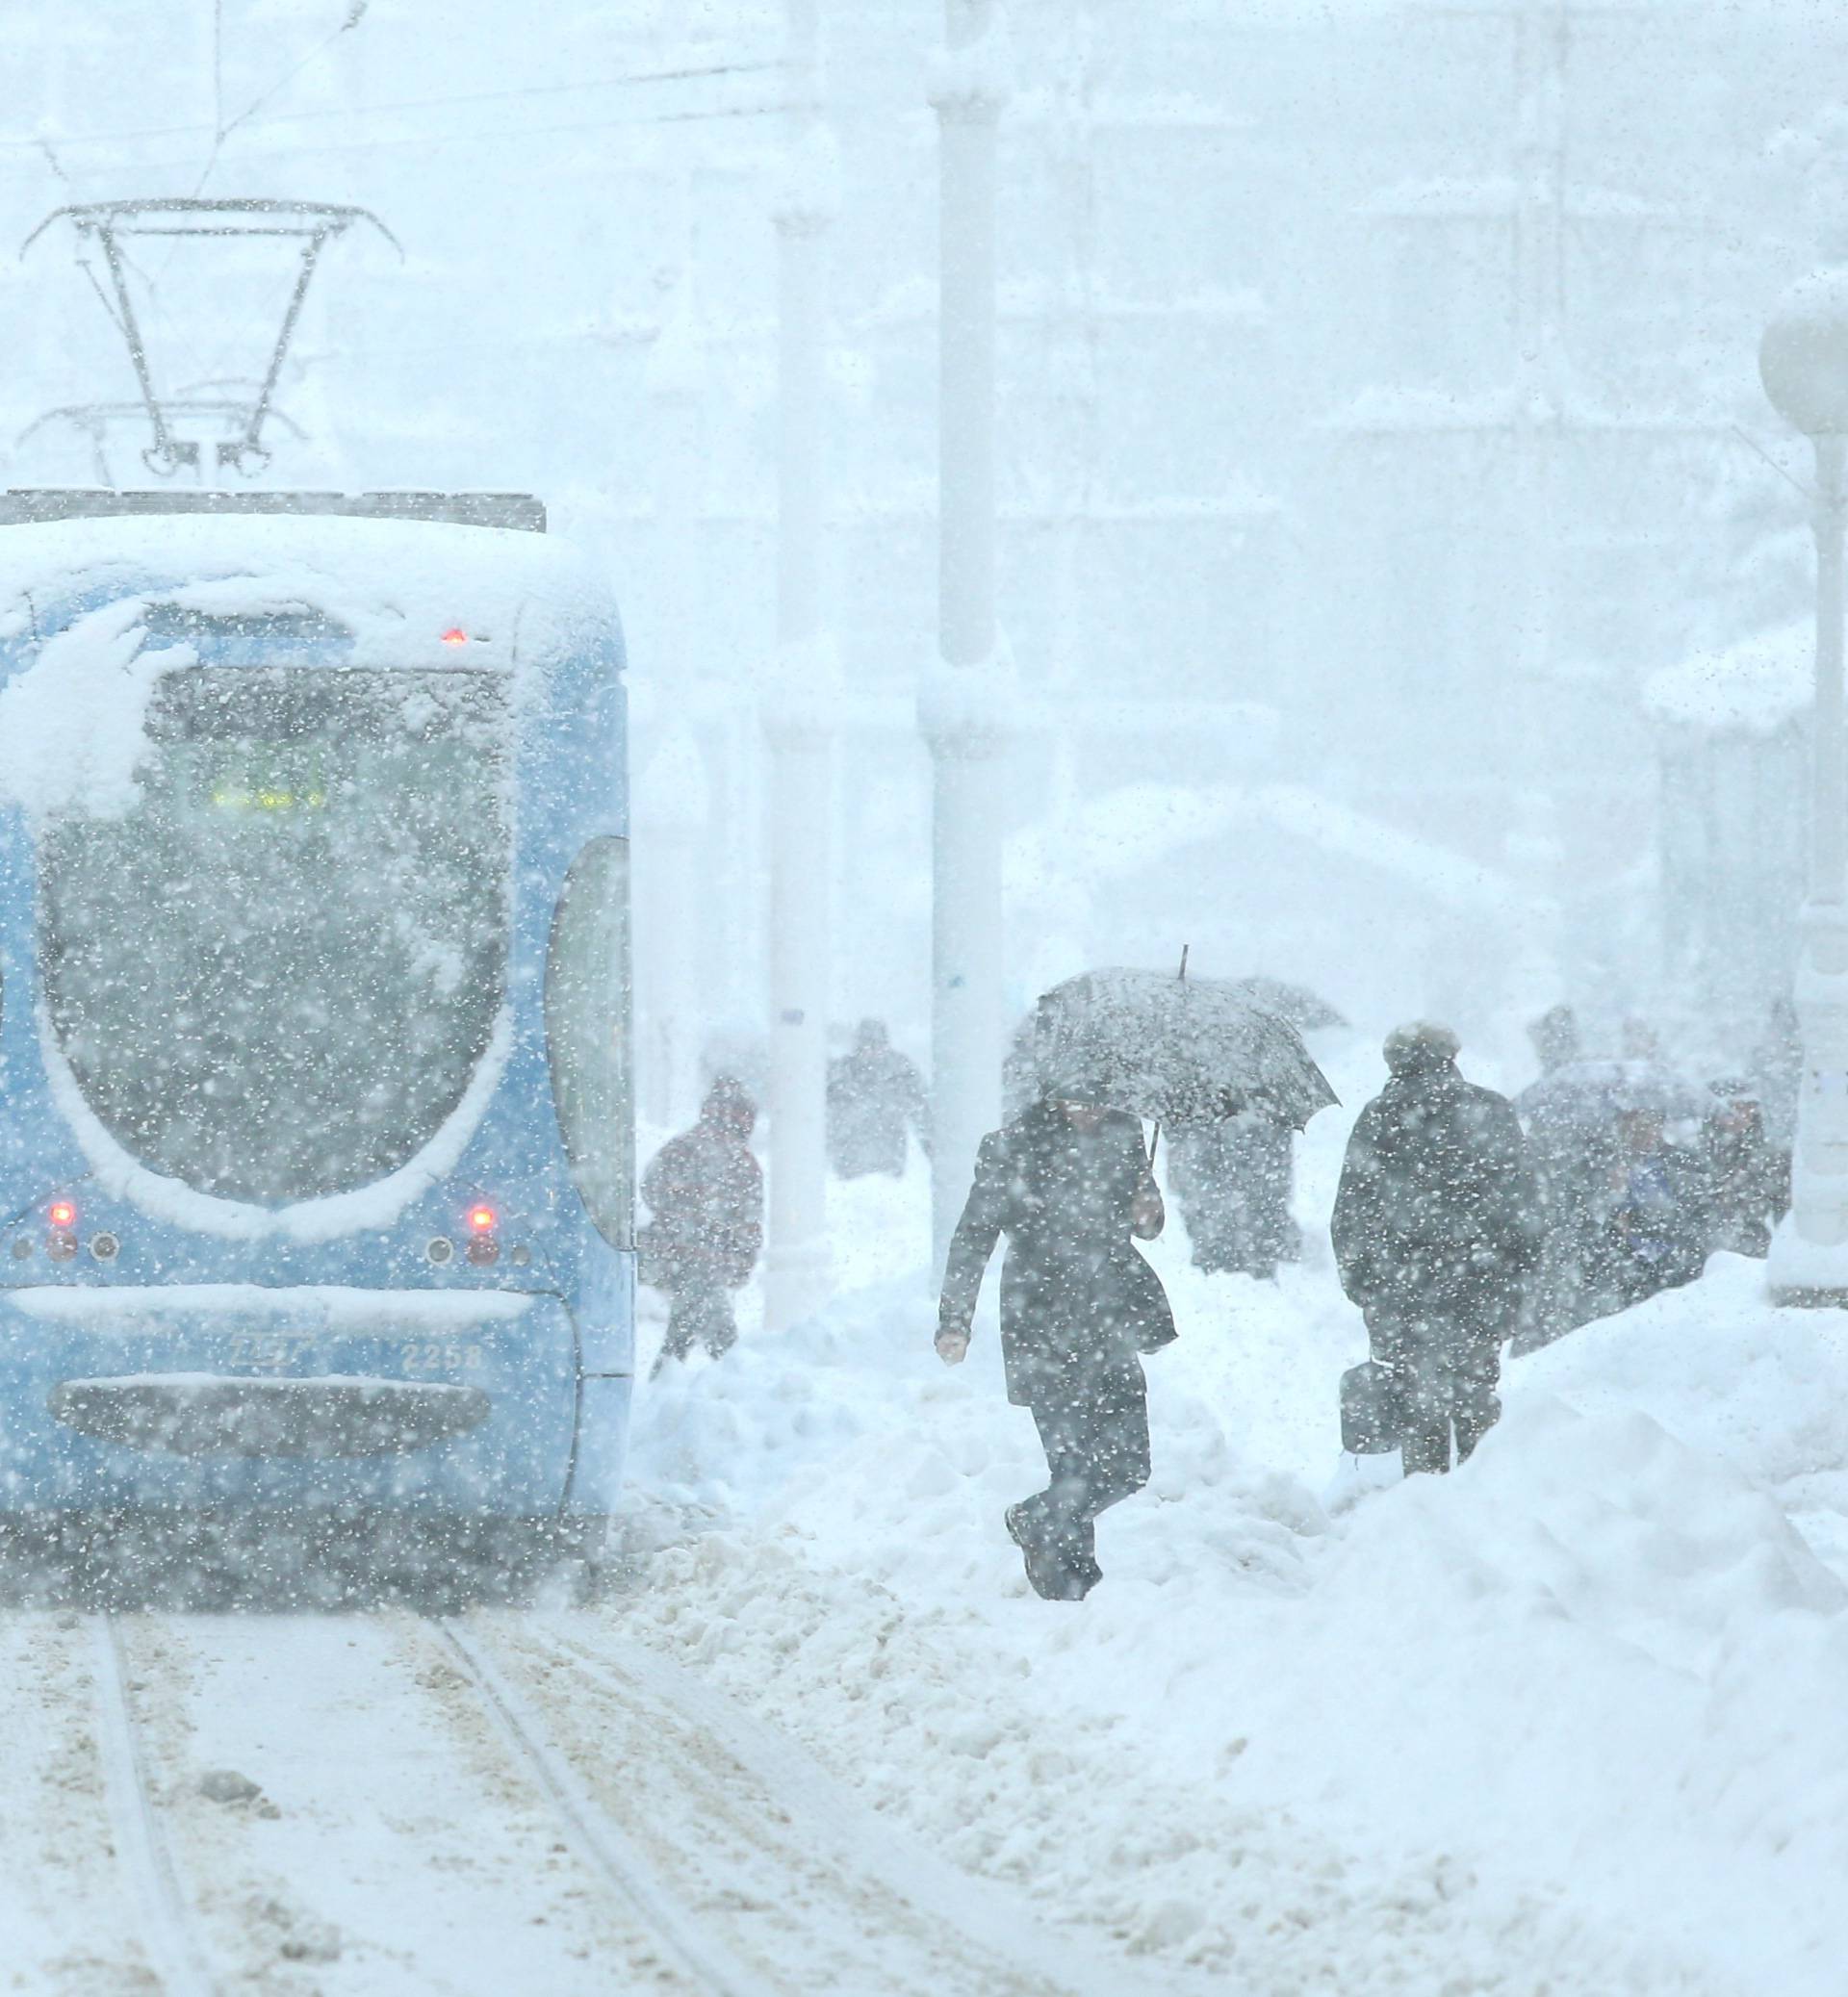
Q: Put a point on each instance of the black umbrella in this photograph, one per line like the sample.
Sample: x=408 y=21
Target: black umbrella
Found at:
x=1308 y=1012
x=1177 y=1050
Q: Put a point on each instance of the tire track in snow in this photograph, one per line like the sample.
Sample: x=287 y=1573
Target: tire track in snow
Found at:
x=167 y=1925
x=599 y=1843
x=954 y=1934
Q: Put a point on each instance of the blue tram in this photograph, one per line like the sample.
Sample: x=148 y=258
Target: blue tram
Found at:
x=316 y=1152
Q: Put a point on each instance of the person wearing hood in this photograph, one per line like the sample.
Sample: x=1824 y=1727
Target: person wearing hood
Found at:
x=1555 y=1035
x=704 y=1195
x=1436 y=1232
x=876 y=1098
x=1069 y=1183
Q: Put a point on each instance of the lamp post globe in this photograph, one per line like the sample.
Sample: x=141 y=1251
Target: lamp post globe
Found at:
x=1802 y=358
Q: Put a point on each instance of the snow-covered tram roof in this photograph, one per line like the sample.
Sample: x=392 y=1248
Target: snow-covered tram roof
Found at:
x=81 y=601
x=401 y=587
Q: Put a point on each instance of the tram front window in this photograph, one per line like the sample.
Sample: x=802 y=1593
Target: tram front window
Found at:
x=274 y=976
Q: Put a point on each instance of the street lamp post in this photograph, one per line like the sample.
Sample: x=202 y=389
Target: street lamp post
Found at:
x=1802 y=362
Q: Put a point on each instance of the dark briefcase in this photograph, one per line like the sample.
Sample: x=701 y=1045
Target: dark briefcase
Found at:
x=1371 y=1413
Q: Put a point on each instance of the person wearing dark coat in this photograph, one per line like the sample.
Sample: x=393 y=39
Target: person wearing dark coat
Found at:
x=1573 y=1150
x=1660 y=1216
x=705 y=1195
x=875 y=1099
x=1746 y=1181
x=1231 y=1180
x=1069 y=1183
x=1435 y=1234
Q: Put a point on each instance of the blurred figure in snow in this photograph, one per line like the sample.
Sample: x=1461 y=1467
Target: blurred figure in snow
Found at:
x=1436 y=1234
x=1658 y=1214
x=1745 y=1180
x=1570 y=1148
x=1232 y=1182
x=705 y=1195
x=1069 y=1183
x=1640 y=1040
x=1555 y=1039
x=875 y=1099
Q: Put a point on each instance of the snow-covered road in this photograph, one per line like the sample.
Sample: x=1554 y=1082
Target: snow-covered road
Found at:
x=372 y=1803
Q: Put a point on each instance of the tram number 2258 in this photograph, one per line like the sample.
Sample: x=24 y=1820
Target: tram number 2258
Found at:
x=419 y=1359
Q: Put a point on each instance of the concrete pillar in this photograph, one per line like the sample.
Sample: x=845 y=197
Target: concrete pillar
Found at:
x=671 y=804
x=1802 y=363
x=1534 y=841
x=799 y=707
x=964 y=704
x=1808 y=1262
x=1071 y=137
x=674 y=896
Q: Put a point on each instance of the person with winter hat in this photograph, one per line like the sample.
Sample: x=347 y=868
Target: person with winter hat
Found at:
x=1436 y=1232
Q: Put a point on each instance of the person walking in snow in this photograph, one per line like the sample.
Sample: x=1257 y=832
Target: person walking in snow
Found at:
x=1659 y=1218
x=704 y=1195
x=1231 y=1180
x=1435 y=1234
x=1745 y=1180
x=1556 y=1039
x=875 y=1099
x=1069 y=1183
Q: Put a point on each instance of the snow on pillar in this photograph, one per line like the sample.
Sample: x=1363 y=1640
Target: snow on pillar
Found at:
x=1535 y=848
x=1804 y=365
x=673 y=796
x=671 y=804
x=1809 y=1256
x=964 y=704
x=799 y=706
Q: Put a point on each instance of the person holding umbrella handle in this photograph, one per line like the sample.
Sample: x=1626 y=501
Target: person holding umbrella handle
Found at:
x=1069 y=1183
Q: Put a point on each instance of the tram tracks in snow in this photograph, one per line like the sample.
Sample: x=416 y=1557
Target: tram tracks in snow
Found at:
x=719 y=1858
x=601 y=1845
x=167 y=1926
x=856 y=1904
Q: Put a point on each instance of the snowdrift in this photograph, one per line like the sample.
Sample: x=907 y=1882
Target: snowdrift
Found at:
x=1570 y=1719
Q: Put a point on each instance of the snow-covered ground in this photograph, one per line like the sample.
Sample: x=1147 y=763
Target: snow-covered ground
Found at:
x=1569 y=1721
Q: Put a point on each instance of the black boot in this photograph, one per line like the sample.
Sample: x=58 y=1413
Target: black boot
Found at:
x=1050 y=1573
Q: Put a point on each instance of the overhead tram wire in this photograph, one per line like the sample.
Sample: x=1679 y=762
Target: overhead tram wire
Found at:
x=278 y=117
x=486 y=139
x=221 y=131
